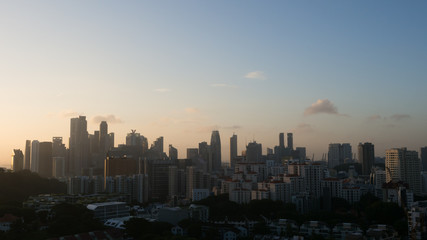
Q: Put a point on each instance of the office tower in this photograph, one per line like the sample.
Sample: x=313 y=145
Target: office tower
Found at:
x=366 y=157
x=282 y=140
x=338 y=154
x=27 y=161
x=135 y=139
x=45 y=159
x=290 y=141
x=346 y=153
x=79 y=146
x=173 y=153
x=233 y=147
x=205 y=157
x=158 y=174
x=17 y=160
x=193 y=154
x=270 y=151
x=35 y=149
x=58 y=168
x=111 y=140
x=158 y=145
x=94 y=143
x=58 y=148
x=302 y=155
x=104 y=145
x=216 y=151
x=424 y=158
x=403 y=165
x=253 y=152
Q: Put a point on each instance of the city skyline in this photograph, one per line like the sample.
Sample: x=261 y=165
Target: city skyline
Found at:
x=330 y=72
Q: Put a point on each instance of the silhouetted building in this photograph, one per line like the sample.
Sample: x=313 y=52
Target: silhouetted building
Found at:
x=366 y=157
x=58 y=168
x=282 y=140
x=158 y=175
x=404 y=165
x=35 y=152
x=17 y=160
x=233 y=147
x=290 y=141
x=338 y=154
x=216 y=151
x=27 y=161
x=173 y=153
x=205 y=157
x=424 y=158
x=79 y=146
x=45 y=159
x=253 y=152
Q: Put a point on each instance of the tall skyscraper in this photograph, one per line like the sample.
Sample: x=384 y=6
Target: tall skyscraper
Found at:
x=158 y=145
x=27 y=161
x=338 y=154
x=45 y=159
x=17 y=160
x=424 y=158
x=173 y=152
x=205 y=157
x=216 y=151
x=282 y=140
x=403 y=165
x=253 y=152
x=79 y=146
x=233 y=147
x=290 y=141
x=366 y=157
x=104 y=145
x=35 y=150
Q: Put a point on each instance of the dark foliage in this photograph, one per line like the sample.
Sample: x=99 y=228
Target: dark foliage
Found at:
x=16 y=187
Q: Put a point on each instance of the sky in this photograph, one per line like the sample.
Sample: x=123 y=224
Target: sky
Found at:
x=327 y=71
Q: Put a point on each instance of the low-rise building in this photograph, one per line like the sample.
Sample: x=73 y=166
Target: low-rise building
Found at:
x=107 y=210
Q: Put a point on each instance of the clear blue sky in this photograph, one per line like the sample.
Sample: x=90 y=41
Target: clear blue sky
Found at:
x=329 y=71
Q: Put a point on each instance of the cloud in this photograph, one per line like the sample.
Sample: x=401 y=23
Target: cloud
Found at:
x=162 y=90
x=398 y=117
x=191 y=110
x=322 y=106
x=223 y=85
x=109 y=119
x=304 y=128
x=256 y=75
x=232 y=127
x=70 y=113
x=375 y=117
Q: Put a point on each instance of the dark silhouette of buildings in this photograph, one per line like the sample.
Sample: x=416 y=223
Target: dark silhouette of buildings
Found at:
x=45 y=159
x=18 y=160
x=366 y=157
x=27 y=160
x=79 y=146
x=233 y=147
x=216 y=151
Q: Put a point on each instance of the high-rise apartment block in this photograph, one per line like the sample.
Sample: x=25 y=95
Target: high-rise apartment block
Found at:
x=366 y=156
x=403 y=165
x=27 y=159
x=35 y=149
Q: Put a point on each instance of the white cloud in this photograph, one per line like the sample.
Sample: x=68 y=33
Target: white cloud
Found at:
x=109 y=119
x=322 y=106
x=256 y=75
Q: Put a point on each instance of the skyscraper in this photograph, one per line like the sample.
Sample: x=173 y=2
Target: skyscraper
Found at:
x=103 y=138
x=27 y=161
x=216 y=151
x=424 y=158
x=173 y=152
x=282 y=140
x=233 y=147
x=79 y=146
x=366 y=157
x=35 y=149
x=18 y=160
x=403 y=165
x=45 y=159
x=253 y=152
x=338 y=154
x=290 y=141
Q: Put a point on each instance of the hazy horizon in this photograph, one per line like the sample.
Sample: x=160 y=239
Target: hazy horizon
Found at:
x=328 y=72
